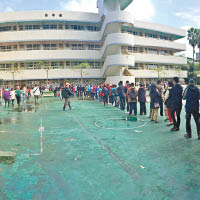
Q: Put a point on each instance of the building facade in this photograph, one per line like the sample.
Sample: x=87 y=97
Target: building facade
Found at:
x=49 y=45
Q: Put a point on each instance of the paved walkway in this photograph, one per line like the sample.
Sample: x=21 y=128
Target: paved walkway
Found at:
x=92 y=153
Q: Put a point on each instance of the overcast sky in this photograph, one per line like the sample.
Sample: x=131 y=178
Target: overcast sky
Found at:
x=178 y=13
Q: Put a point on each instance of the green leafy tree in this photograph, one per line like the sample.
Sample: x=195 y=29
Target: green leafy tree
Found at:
x=44 y=65
x=80 y=67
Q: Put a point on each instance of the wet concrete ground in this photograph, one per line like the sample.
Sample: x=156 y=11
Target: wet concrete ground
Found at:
x=92 y=153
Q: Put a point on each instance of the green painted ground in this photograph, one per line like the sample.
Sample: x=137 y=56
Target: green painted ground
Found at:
x=91 y=153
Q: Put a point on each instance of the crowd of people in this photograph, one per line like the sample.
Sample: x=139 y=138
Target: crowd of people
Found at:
x=18 y=94
x=164 y=97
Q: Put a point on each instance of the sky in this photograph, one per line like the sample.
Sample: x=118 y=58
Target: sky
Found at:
x=178 y=13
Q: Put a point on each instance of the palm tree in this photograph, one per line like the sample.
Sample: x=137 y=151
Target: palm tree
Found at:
x=198 y=43
x=192 y=38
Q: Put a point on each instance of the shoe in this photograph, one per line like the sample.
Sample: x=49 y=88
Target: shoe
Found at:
x=187 y=136
x=156 y=122
x=174 y=129
x=169 y=124
x=152 y=120
x=166 y=120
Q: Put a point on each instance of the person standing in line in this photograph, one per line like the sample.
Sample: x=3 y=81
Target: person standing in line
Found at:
x=12 y=96
x=105 y=94
x=160 y=90
x=142 y=99
x=121 y=93
x=132 y=99
x=36 y=92
x=168 y=103
x=66 y=94
x=176 y=103
x=192 y=96
x=126 y=94
x=6 y=96
x=154 y=103
x=18 y=94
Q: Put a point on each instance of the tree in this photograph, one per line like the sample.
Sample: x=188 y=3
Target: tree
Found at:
x=158 y=69
x=198 y=43
x=192 y=38
x=44 y=65
x=81 y=67
x=14 y=70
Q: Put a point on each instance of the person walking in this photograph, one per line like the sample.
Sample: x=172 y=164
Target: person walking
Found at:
x=66 y=94
x=192 y=96
x=142 y=99
x=6 y=96
x=132 y=99
x=18 y=94
x=12 y=96
x=154 y=103
x=36 y=92
x=176 y=104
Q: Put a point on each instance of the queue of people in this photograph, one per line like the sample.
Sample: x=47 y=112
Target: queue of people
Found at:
x=168 y=100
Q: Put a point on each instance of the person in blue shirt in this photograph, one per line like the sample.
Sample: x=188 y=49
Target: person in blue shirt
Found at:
x=192 y=96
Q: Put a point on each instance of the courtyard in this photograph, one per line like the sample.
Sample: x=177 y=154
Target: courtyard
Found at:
x=93 y=153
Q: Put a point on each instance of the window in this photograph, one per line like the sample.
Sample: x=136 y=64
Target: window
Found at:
x=22 y=66
x=60 y=26
x=21 y=47
x=60 y=15
x=53 y=15
x=49 y=26
x=21 y=28
x=36 y=46
x=68 y=64
x=50 y=46
x=5 y=28
x=36 y=27
x=66 y=26
x=67 y=46
x=61 y=64
x=46 y=15
x=54 y=65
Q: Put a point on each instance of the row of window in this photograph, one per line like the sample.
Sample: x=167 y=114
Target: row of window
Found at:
x=50 y=27
x=60 y=46
x=49 y=65
x=144 y=34
x=151 y=66
x=155 y=51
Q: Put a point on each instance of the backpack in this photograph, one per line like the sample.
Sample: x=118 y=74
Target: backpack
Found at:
x=133 y=94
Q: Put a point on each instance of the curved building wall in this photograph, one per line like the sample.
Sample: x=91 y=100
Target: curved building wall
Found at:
x=82 y=37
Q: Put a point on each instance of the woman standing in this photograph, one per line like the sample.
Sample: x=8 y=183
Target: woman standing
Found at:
x=6 y=96
x=168 y=102
x=154 y=104
x=12 y=96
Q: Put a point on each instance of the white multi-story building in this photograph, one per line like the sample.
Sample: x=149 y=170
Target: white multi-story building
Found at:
x=41 y=45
